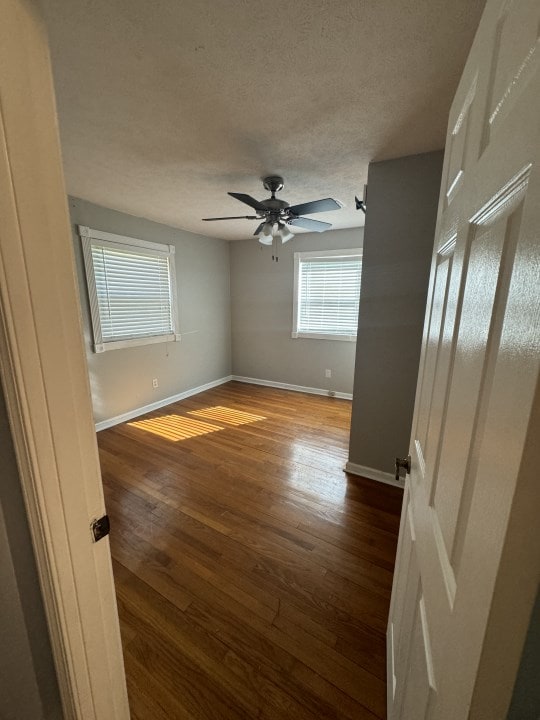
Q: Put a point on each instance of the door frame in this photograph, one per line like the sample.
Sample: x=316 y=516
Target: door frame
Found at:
x=44 y=376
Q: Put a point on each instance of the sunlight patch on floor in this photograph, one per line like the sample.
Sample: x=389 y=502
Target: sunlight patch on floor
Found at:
x=227 y=415
x=330 y=486
x=175 y=427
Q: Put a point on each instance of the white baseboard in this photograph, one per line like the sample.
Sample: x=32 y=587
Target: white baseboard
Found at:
x=294 y=388
x=373 y=474
x=104 y=424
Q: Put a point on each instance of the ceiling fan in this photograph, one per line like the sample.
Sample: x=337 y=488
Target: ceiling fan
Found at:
x=277 y=214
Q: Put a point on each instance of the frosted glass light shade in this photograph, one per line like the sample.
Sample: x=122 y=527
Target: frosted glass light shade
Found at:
x=286 y=234
x=265 y=236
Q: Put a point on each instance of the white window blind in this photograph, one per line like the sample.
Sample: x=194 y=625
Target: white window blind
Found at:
x=131 y=287
x=327 y=293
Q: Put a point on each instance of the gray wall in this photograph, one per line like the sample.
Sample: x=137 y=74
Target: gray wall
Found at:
x=121 y=380
x=398 y=243
x=28 y=688
x=262 y=316
x=525 y=703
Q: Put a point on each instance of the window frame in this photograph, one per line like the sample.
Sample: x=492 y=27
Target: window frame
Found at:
x=305 y=255
x=88 y=236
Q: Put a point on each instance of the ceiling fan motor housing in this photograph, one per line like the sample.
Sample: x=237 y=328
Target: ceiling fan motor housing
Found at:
x=275 y=204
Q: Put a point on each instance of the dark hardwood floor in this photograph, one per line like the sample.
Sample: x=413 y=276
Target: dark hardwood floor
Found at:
x=253 y=575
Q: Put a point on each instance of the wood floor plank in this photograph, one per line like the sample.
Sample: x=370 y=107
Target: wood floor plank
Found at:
x=253 y=575
x=165 y=631
x=148 y=698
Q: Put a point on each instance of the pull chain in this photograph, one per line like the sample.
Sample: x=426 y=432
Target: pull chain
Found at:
x=275 y=246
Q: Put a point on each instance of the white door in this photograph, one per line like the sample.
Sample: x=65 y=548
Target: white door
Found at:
x=468 y=557
x=45 y=381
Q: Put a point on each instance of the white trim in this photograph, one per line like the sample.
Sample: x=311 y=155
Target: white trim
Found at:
x=454 y=184
x=296 y=273
x=112 y=239
x=294 y=388
x=355 y=252
x=88 y=235
x=373 y=474
x=124 y=417
x=104 y=424
x=301 y=255
x=323 y=336
x=135 y=342
x=505 y=200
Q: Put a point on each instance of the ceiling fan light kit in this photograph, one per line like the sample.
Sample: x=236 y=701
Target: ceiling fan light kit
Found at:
x=277 y=215
x=284 y=233
x=266 y=233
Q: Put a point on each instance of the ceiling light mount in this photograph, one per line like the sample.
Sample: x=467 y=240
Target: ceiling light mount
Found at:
x=274 y=183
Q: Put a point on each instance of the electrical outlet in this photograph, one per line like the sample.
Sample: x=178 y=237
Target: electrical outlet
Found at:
x=155 y=383
x=328 y=373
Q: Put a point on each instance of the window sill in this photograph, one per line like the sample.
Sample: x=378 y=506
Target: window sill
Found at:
x=323 y=336
x=134 y=342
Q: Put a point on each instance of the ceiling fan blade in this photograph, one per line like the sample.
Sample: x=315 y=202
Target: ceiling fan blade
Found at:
x=235 y=217
x=248 y=200
x=309 y=224
x=258 y=230
x=316 y=206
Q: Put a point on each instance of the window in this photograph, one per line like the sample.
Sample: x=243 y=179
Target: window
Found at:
x=326 y=294
x=131 y=288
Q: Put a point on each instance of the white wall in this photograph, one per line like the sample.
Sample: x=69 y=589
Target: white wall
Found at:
x=121 y=380
x=262 y=316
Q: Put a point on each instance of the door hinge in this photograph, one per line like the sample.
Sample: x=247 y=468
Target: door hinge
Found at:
x=101 y=527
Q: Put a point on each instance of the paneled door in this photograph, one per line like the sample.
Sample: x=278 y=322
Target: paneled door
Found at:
x=469 y=550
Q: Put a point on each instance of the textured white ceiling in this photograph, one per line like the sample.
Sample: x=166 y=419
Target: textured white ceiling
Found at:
x=166 y=105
